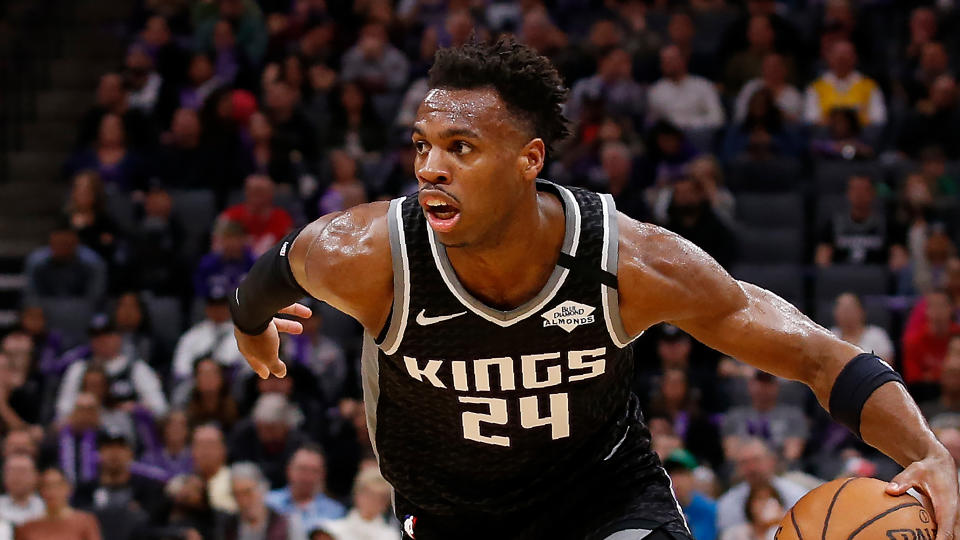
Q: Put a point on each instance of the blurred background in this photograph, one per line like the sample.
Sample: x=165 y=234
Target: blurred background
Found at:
x=150 y=150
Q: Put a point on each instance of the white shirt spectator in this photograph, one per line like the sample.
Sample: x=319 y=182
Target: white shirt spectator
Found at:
x=206 y=338
x=730 y=505
x=144 y=380
x=689 y=103
x=876 y=108
x=16 y=514
x=354 y=527
x=789 y=100
x=873 y=339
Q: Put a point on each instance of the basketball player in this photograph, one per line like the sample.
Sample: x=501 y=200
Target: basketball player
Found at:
x=497 y=309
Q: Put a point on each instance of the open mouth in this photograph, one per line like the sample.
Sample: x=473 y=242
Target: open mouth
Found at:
x=440 y=210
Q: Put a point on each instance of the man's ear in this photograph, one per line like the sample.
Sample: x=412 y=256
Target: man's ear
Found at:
x=532 y=158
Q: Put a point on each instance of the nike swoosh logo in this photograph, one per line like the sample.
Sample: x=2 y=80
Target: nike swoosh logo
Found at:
x=423 y=320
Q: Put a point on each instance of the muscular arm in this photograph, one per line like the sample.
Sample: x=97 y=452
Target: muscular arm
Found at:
x=344 y=259
x=666 y=278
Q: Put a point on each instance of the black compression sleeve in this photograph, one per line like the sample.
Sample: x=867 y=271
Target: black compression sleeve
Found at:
x=856 y=382
x=267 y=288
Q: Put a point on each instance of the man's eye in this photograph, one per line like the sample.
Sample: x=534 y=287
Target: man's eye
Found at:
x=462 y=148
x=420 y=146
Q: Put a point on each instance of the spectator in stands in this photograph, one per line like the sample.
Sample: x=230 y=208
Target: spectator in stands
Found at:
x=47 y=343
x=708 y=172
x=355 y=125
x=60 y=520
x=756 y=465
x=616 y=175
x=850 y=325
x=374 y=63
x=87 y=214
x=270 y=158
x=244 y=16
x=860 y=233
x=168 y=57
x=667 y=154
x=843 y=137
x=111 y=98
x=292 y=127
x=933 y=122
x=132 y=381
x=119 y=166
x=254 y=519
x=925 y=346
x=180 y=163
x=763 y=134
x=923 y=29
x=20 y=441
x=232 y=67
x=209 y=400
x=746 y=64
x=20 y=502
x=155 y=247
x=264 y=222
x=201 y=81
x=773 y=77
x=147 y=90
x=121 y=482
x=73 y=448
x=934 y=63
x=930 y=252
x=676 y=401
x=699 y=510
x=210 y=463
x=112 y=416
x=228 y=160
x=764 y=510
x=64 y=269
x=303 y=501
x=371 y=502
x=949 y=400
x=844 y=87
x=19 y=395
x=174 y=457
x=269 y=437
x=687 y=101
x=691 y=215
x=681 y=32
x=784 y=427
x=210 y=338
x=347 y=190
x=225 y=266
x=613 y=87
x=190 y=516
x=321 y=355
x=133 y=325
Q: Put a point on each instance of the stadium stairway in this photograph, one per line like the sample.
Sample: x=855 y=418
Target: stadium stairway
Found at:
x=52 y=53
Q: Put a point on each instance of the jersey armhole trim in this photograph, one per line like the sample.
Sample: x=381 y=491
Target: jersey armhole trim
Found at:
x=609 y=295
x=397 y=322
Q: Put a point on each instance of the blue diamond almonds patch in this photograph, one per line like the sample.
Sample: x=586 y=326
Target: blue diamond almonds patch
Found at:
x=569 y=315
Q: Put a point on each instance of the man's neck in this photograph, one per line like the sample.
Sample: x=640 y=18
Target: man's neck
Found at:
x=117 y=478
x=512 y=267
x=302 y=498
x=678 y=78
x=23 y=499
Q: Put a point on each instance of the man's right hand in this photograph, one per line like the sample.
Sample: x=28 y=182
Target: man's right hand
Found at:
x=262 y=351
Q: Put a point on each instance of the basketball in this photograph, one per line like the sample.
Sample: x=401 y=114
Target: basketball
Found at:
x=857 y=509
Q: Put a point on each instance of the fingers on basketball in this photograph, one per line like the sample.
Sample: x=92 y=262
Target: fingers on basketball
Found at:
x=857 y=509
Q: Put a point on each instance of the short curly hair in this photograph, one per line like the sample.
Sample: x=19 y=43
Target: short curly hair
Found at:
x=529 y=85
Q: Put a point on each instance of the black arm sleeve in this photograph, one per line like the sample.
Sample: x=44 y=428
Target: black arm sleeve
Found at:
x=267 y=288
x=856 y=382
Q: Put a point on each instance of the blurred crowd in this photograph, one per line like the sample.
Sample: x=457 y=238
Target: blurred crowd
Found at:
x=811 y=146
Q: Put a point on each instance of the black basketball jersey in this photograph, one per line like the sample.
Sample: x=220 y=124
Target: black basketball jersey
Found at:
x=474 y=410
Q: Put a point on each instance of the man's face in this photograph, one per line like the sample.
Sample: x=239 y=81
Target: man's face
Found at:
x=860 y=195
x=86 y=412
x=473 y=161
x=760 y=32
x=842 y=58
x=763 y=393
x=218 y=312
x=674 y=353
x=233 y=245
x=115 y=458
x=934 y=59
x=106 y=346
x=950 y=377
x=258 y=192
x=63 y=245
x=672 y=62
x=110 y=90
x=19 y=442
x=19 y=475
x=680 y=29
x=208 y=450
x=305 y=473
x=272 y=434
x=939 y=310
x=847 y=312
x=248 y=496
x=755 y=463
x=372 y=500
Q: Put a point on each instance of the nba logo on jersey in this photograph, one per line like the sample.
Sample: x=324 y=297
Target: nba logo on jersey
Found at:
x=569 y=315
x=408 y=524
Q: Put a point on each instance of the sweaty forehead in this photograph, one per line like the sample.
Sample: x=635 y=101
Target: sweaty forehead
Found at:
x=478 y=109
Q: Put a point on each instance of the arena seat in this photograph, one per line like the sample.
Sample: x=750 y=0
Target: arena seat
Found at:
x=862 y=279
x=785 y=280
x=770 y=209
x=771 y=246
x=166 y=318
x=195 y=211
x=773 y=175
x=831 y=176
x=70 y=316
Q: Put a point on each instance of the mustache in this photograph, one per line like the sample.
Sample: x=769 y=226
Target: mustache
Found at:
x=441 y=190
